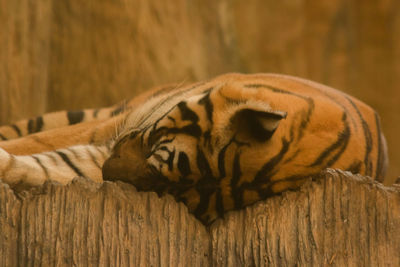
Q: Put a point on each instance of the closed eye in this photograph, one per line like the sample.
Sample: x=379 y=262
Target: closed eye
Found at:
x=155 y=136
x=159 y=145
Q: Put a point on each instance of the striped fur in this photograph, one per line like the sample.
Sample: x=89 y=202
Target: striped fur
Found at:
x=56 y=120
x=217 y=145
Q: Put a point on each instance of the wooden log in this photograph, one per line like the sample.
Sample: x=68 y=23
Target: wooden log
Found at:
x=335 y=219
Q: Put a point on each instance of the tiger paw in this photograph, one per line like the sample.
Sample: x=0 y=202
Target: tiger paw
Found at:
x=5 y=163
x=18 y=171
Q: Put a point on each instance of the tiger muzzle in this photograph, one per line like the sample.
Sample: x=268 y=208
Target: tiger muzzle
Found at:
x=124 y=164
x=115 y=168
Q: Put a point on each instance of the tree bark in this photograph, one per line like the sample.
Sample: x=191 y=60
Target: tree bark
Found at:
x=335 y=219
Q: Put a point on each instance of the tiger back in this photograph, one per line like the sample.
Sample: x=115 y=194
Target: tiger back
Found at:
x=217 y=145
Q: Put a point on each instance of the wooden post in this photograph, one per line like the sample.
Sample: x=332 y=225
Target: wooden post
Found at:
x=335 y=219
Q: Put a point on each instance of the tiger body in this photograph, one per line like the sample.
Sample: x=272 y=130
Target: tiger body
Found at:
x=217 y=145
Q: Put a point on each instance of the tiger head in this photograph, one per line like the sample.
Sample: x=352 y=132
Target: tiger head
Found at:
x=214 y=150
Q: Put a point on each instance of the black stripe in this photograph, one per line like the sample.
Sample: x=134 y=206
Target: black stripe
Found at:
x=184 y=164
x=208 y=105
x=294 y=155
x=31 y=126
x=39 y=123
x=355 y=167
x=153 y=136
x=118 y=110
x=171 y=119
x=341 y=140
x=221 y=160
x=133 y=134
x=265 y=173
x=368 y=139
x=158 y=145
x=207 y=141
x=46 y=172
x=35 y=125
x=65 y=158
x=345 y=136
x=219 y=204
x=170 y=159
x=262 y=180
x=233 y=101
x=306 y=119
x=205 y=186
x=205 y=195
x=268 y=191
x=187 y=113
x=75 y=116
x=236 y=193
x=381 y=154
x=3 y=137
x=264 y=191
x=154 y=129
x=16 y=129
x=191 y=129
x=202 y=164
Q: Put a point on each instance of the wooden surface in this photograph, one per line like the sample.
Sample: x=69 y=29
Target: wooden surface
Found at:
x=69 y=54
x=339 y=220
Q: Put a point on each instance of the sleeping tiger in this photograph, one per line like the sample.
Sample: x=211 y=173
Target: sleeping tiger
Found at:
x=217 y=145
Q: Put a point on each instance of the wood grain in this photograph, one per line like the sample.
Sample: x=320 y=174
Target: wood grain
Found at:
x=336 y=219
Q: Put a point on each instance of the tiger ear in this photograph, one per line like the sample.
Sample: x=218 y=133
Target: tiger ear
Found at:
x=255 y=124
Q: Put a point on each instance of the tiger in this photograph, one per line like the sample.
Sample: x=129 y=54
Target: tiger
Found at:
x=217 y=145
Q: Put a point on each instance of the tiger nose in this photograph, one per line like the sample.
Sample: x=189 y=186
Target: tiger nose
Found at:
x=123 y=166
x=110 y=168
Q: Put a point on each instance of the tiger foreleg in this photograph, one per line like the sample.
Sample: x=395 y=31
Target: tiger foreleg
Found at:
x=60 y=166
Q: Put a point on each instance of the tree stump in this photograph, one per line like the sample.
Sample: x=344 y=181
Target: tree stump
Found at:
x=335 y=219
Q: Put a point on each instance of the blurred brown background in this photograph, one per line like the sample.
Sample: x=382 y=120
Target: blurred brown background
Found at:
x=58 y=54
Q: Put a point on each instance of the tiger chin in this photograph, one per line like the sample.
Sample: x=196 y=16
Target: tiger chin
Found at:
x=217 y=145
